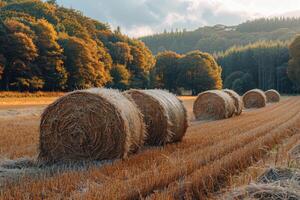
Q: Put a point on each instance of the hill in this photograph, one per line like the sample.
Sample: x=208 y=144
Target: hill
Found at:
x=47 y=47
x=219 y=37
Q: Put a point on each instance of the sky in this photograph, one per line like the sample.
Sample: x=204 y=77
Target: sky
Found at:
x=145 y=17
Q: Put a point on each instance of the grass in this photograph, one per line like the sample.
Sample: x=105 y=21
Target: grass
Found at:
x=203 y=163
x=9 y=94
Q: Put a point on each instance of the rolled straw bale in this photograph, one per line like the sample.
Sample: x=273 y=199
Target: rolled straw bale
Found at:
x=213 y=104
x=94 y=124
x=254 y=99
x=272 y=96
x=238 y=102
x=164 y=115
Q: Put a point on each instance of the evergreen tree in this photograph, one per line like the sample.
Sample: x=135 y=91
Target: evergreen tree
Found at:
x=294 y=63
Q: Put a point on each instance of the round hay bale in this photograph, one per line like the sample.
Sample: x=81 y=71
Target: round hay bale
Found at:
x=213 y=105
x=254 y=99
x=272 y=96
x=94 y=124
x=164 y=115
x=238 y=102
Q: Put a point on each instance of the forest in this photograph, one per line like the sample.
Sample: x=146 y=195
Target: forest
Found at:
x=213 y=39
x=46 y=47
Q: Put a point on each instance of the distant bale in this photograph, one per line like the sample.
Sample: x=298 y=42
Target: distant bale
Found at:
x=213 y=105
x=238 y=102
x=254 y=99
x=94 y=124
x=164 y=115
x=272 y=96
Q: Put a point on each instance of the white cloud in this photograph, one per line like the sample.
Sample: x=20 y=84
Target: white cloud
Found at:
x=143 y=17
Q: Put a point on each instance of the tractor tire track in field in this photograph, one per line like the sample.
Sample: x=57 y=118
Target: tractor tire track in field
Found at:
x=166 y=173
x=174 y=168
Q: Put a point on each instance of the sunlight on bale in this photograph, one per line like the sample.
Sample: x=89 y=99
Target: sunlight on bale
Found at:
x=213 y=105
x=164 y=114
x=94 y=124
x=272 y=96
x=238 y=102
x=255 y=98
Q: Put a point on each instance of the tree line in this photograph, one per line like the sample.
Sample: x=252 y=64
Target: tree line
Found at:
x=213 y=39
x=265 y=65
x=47 y=47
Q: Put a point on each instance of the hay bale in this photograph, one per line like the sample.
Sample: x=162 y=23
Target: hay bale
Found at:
x=213 y=105
x=164 y=115
x=272 y=96
x=254 y=99
x=238 y=102
x=94 y=124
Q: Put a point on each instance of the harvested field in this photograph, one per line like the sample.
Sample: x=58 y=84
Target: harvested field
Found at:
x=202 y=164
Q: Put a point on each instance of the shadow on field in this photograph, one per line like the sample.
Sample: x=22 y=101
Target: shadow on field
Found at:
x=13 y=171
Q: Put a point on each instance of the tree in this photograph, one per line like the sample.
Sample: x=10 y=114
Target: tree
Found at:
x=199 y=72
x=141 y=65
x=50 y=60
x=294 y=63
x=166 y=70
x=20 y=52
x=35 y=8
x=2 y=66
x=44 y=46
x=231 y=78
x=82 y=64
x=260 y=60
x=53 y=2
x=120 y=77
x=120 y=53
x=237 y=86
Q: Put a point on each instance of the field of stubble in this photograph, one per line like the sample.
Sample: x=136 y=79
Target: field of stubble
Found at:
x=213 y=156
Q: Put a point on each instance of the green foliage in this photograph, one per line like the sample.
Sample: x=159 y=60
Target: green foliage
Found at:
x=268 y=25
x=52 y=70
x=199 y=72
x=261 y=61
x=294 y=63
x=82 y=64
x=194 y=71
x=220 y=38
x=166 y=70
x=120 y=77
x=231 y=78
x=2 y=65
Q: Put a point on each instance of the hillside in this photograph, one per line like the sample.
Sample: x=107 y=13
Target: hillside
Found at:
x=44 y=46
x=219 y=37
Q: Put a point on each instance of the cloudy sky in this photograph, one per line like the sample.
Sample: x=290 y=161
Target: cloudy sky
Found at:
x=143 y=17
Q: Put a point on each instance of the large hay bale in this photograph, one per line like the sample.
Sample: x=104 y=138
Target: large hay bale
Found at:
x=164 y=115
x=94 y=124
x=238 y=102
x=254 y=99
x=213 y=105
x=272 y=96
